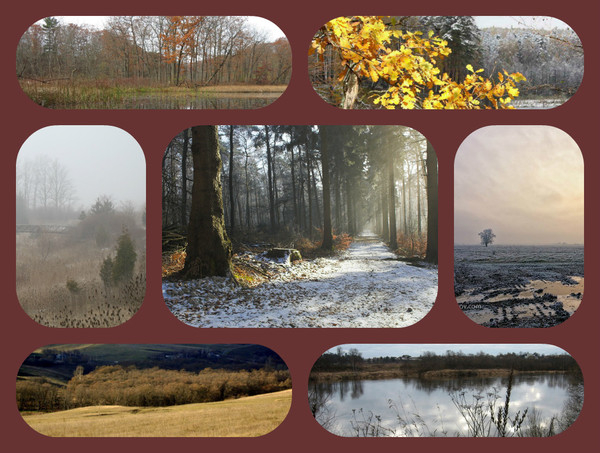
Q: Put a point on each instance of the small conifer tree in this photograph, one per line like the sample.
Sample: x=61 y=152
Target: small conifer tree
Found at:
x=124 y=262
x=106 y=272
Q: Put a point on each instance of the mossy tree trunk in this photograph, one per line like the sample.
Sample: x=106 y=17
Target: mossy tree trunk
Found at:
x=209 y=248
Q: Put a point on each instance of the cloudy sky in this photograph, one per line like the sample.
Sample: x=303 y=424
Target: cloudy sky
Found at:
x=397 y=350
x=100 y=160
x=523 y=182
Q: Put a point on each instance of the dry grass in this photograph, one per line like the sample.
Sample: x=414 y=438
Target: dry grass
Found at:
x=244 y=89
x=58 y=284
x=245 y=417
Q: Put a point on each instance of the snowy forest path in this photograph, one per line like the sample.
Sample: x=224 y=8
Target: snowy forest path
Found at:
x=366 y=286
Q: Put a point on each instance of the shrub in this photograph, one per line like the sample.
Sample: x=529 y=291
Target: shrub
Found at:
x=106 y=272
x=124 y=262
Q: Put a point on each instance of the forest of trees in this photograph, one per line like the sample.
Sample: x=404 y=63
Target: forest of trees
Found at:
x=314 y=182
x=165 y=50
x=131 y=386
x=440 y=62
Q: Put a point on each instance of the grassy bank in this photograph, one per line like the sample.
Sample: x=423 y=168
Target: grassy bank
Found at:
x=108 y=94
x=245 y=417
x=396 y=373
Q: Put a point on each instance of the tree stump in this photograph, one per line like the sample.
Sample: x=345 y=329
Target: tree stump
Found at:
x=285 y=255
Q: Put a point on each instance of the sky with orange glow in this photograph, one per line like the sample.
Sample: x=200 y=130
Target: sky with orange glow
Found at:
x=523 y=182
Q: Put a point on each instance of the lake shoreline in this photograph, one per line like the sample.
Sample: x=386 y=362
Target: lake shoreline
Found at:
x=108 y=94
x=329 y=376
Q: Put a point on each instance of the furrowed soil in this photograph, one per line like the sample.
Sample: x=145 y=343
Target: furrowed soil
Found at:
x=518 y=286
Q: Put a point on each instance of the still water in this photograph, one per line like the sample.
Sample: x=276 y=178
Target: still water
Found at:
x=429 y=404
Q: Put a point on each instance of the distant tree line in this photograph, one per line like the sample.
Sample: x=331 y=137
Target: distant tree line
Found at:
x=352 y=360
x=130 y=386
x=196 y=50
x=249 y=357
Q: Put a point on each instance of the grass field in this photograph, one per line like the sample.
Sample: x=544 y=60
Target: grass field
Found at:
x=245 y=417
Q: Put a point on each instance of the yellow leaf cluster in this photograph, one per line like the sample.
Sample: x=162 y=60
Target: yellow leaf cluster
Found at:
x=365 y=45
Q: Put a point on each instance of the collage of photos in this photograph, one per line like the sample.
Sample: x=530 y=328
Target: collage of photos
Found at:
x=322 y=252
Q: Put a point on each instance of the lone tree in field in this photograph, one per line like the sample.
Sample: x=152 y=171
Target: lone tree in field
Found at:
x=487 y=237
x=209 y=249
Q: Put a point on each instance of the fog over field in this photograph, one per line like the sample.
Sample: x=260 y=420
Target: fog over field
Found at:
x=524 y=182
x=81 y=234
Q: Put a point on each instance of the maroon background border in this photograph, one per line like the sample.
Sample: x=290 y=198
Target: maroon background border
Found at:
x=153 y=130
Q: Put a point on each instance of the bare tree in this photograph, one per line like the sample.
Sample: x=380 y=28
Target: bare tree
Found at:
x=487 y=237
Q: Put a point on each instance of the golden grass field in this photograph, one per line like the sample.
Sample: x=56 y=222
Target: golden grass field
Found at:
x=245 y=417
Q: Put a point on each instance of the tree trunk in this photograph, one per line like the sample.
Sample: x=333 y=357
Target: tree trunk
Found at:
x=327 y=243
x=209 y=248
x=270 y=180
x=350 y=90
x=392 y=201
x=309 y=188
x=294 y=195
x=432 y=206
x=231 y=205
x=184 y=153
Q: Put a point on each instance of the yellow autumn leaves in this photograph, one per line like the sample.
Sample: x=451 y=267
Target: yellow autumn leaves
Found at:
x=408 y=62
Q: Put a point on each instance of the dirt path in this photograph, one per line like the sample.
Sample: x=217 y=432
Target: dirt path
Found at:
x=364 y=287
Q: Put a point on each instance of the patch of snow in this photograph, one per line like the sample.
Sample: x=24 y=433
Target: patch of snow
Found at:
x=366 y=286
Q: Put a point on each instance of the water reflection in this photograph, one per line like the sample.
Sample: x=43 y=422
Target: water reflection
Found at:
x=392 y=402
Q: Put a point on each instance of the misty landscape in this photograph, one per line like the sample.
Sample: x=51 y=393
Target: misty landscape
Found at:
x=149 y=390
x=300 y=226
x=527 y=182
x=422 y=390
x=80 y=233
x=445 y=62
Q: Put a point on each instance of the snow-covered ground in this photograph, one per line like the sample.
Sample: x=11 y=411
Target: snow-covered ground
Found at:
x=364 y=287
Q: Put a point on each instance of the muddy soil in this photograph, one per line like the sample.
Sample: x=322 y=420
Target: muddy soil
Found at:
x=518 y=289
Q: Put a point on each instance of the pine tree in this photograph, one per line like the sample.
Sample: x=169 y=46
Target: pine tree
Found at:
x=106 y=272
x=124 y=262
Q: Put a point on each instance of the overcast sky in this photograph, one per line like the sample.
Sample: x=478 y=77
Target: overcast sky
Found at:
x=397 y=350
x=543 y=22
x=100 y=160
x=523 y=182
x=272 y=30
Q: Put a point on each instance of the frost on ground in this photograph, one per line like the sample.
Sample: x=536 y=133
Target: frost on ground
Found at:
x=366 y=286
x=518 y=286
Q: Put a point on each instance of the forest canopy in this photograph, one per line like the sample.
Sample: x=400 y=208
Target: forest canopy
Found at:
x=289 y=182
x=165 y=50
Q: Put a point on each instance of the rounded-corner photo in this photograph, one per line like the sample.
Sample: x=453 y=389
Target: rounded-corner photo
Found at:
x=153 y=390
x=445 y=390
x=445 y=62
x=299 y=226
x=80 y=226
x=519 y=226
x=153 y=62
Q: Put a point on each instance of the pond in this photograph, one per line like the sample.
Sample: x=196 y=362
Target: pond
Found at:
x=412 y=407
x=84 y=97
